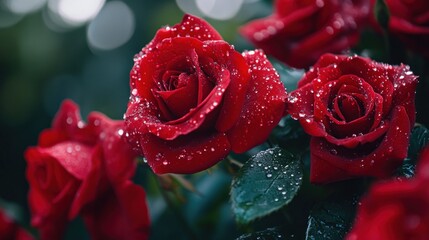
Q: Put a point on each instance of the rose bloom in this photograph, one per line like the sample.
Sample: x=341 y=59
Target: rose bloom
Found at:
x=300 y=31
x=359 y=114
x=396 y=210
x=10 y=230
x=194 y=99
x=79 y=168
x=409 y=20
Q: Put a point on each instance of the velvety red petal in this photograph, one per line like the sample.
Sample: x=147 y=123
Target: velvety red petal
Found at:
x=50 y=220
x=328 y=39
x=380 y=163
x=403 y=26
x=118 y=158
x=143 y=115
x=67 y=116
x=405 y=84
x=181 y=100
x=225 y=55
x=73 y=156
x=191 y=26
x=120 y=214
x=354 y=140
x=300 y=106
x=196 y=116
x=276 y=34
x=264 y=106
x=90 y=185
x=50 y=137
x=186 y=154
x=63 y=126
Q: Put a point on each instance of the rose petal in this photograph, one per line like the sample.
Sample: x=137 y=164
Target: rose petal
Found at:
x=67 y=117
x=276 y=34
x=187 y=154
x=143 y=113
x=404 y=83
x=90 y=186
x=181 y=100
x=264 y=106
x=400 y=25
x=379 y=163
x=73 y=156
x=299 y=105
x=190 y=26
x=225 y=55
x=352 y=141
x=121 y=214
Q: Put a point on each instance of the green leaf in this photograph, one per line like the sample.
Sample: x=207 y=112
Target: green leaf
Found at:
x=418 y=140
x=12 y=210
x=289 y=134
x=267 y=234
x=331 y=220
x=267 y=182
x=289 y=76
x=382 y=13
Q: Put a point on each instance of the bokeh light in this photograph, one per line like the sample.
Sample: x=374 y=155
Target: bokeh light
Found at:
x=112 y=27
x=75 y=12
x=24 y=6
x=219 y=9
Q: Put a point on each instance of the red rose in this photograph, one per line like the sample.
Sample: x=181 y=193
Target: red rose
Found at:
x=409 y=20
x=9 y=230
x=396 y=210
x=194 y=98
x=299 y=32
x=359 y=114
x=75 y=165
x=121 y=213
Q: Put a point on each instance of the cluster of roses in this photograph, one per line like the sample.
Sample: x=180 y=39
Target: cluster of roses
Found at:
x=194 y=99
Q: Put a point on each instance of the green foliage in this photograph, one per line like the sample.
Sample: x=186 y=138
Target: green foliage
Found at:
x=289 y=76
x=331 y=219
x=267 y=182
x=418 y=140
x=381 y=13
x=267 y=234
x=289 y=134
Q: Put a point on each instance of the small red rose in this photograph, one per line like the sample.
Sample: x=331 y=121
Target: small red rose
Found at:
x=359 y=114
x=299 y=32
x=194 y=99
x=409 y=20
x=10 y=230
x=76 y=165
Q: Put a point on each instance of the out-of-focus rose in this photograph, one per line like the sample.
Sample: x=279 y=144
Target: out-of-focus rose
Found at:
x=76 y=165
x=409 y=20
x=359 y=114
x=396 y=210
x=300 y=31
x=194 y=99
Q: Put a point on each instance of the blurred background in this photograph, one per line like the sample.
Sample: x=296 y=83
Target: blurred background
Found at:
x=51 y=50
